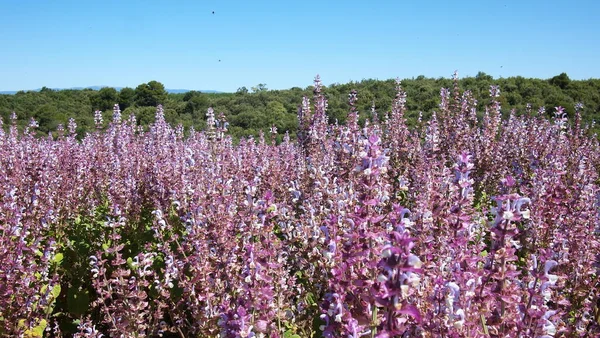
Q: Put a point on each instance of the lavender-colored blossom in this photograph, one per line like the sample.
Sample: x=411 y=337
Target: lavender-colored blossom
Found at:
x=494 y=91
x=116 y=114
x=98 y=120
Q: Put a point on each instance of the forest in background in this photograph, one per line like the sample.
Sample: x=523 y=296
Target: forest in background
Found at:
x=250 y=110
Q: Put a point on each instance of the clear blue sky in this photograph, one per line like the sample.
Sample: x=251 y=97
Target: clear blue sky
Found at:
x=286 y=43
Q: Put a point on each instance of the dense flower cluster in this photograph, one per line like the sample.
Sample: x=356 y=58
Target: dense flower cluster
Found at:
x=467 y=225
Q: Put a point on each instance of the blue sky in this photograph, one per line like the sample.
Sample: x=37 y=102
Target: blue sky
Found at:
x=286 y=43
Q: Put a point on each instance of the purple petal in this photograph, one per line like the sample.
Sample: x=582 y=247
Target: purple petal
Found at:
x=411 y=310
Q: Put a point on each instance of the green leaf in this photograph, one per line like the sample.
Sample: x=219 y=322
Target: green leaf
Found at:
x=290 y=334
x=55 y=291
x=37 y=331
x=58 y=258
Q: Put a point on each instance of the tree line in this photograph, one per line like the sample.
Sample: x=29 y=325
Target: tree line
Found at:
x=249 y=111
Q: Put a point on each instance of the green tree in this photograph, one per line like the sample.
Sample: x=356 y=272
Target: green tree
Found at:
x=48 y=118
x=249 y=120
x=189 y=95
x=104 y=99
x=196 y=104
x=126 y=98
x=275 y=114
x=150 y=94
x=261 y=87
x=143 y=115
x=561 y=81
x=483 y=76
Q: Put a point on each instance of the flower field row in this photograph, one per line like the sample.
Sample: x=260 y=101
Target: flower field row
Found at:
x=469 y=225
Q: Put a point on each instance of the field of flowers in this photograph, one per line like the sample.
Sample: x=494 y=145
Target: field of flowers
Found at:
x=464 y=226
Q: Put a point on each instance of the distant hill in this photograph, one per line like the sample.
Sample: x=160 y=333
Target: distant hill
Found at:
x=173 y=91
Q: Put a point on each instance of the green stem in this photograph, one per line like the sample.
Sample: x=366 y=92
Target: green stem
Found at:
x=374 y=322
x=485 y=330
